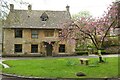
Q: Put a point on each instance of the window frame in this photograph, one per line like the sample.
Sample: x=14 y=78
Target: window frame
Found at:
x=63 y=48
x=33 y=50
x=18 y=33
x=47 y=33
x=16 y=49
x=34 y=34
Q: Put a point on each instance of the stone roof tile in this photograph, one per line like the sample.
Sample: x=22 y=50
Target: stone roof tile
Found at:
x=32 y=19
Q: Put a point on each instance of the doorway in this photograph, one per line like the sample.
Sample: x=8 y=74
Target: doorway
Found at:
x=49 y=48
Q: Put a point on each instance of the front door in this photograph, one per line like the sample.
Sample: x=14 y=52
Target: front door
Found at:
x=49 y=49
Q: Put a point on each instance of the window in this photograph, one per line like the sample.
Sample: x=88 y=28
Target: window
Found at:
x=18 y=33
x=34 y=34
x=44 y=17
x=61 y=47
x=34 y=48
x=49 y=33
x=18 y=47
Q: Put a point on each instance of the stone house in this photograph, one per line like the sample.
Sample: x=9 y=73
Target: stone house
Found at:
x=0 y=37
x=35 y=32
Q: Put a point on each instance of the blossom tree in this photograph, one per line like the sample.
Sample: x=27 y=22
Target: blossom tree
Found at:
x=95 y=29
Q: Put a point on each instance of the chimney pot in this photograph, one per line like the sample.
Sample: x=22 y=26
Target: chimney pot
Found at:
x=67 y=8
x=11 y=7
x=29 y=7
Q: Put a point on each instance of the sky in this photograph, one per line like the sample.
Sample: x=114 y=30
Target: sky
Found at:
x=95 y=7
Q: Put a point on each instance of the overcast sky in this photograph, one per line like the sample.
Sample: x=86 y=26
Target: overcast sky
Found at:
x=95 y=7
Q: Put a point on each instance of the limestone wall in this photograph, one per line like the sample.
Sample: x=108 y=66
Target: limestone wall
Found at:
x=26 y=41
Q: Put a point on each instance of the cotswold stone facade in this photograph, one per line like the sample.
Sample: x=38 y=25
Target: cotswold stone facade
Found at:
x=35 y=32
x=0 y=37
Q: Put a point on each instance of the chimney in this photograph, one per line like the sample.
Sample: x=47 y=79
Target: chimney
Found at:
x=29 y=7
x=11 y=7
x=67 y=8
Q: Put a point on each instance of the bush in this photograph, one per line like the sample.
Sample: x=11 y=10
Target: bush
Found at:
x=112 y=41
x=71 y=63
x=77 y=49
x=113 y=50
x=103 y=51
x=22 y=55
x=82 y=52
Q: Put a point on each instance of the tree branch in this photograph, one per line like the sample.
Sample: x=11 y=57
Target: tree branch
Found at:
x=102 y=41
x=88 y=35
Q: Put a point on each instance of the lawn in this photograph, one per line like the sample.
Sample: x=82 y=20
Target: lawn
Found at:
x=63 y=68
x=0 y=67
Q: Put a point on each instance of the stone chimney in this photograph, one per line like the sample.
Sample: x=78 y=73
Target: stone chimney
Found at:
x=67 y=8
x=29 y=7
x=11 y=7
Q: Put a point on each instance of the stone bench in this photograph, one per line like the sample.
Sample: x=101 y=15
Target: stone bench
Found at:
x=84 y=61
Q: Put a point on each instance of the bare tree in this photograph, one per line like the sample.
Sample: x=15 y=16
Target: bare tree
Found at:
x=4 y=6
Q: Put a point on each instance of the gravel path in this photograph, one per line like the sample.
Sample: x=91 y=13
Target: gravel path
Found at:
x=50 y=57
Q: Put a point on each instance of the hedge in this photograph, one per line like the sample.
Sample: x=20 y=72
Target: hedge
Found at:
x=22 y=55
x=81 y=52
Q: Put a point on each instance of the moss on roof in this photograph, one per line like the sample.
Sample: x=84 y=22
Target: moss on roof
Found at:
x=31 y=19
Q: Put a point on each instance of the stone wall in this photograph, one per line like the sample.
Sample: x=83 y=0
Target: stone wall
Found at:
x=26 y=41
x=0 y=48
x=0 y=36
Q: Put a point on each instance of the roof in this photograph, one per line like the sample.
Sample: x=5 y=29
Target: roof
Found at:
x=32 y=19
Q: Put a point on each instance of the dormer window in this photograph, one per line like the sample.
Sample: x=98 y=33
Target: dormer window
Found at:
x=44 y=17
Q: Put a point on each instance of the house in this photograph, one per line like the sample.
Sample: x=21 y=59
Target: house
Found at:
x=35 y=32
x=0 y=37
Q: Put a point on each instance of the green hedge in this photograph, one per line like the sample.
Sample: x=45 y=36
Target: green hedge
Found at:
x=81 y=52
x=22 y=55
x=102 y=52
x=79 y=49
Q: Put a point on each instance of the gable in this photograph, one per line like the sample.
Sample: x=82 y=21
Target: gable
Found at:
x=44 y=17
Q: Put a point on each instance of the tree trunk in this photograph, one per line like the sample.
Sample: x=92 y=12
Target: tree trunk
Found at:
x=100 y=56
x=100 y=59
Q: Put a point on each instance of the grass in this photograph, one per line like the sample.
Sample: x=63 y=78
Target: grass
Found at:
x=0 y=67
x=63 y=68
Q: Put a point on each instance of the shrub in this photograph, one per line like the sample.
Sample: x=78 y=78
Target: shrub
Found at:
x=113 y=49
x=103 y=52
x=77 y=49
x=70 y=63
x=22 y=55
x=82 y=52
